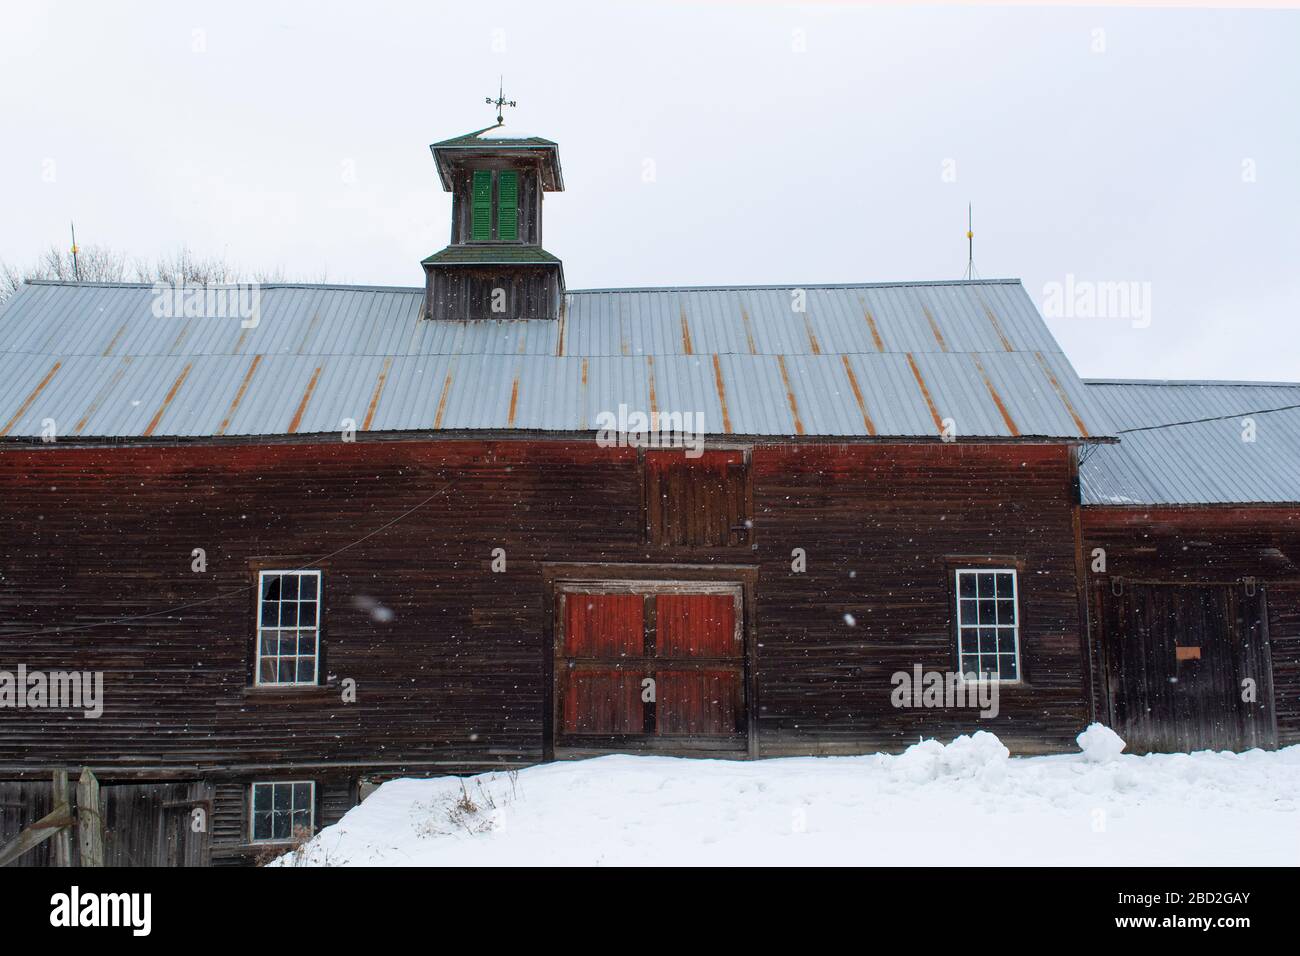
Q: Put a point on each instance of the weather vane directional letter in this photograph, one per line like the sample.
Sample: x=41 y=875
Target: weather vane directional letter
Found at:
x=500 y=101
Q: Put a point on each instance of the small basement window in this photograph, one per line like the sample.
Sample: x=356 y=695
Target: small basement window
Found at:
x=288 y=627
x=988 y=624
x=283 y=811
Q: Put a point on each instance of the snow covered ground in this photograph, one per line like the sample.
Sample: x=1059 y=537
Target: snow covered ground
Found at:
x=962 y=804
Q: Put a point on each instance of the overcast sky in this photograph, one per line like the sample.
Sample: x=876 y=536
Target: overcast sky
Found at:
x=788 y=144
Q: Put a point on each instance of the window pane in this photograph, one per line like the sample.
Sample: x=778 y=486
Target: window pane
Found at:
x=270 y=613
x=262 y=825
x=285 y=671
x=988 y=612
x=307 y=642
x=1006 y=640
x=1008 y=666
x=301 y=795
x=267 y=672
x=970 y=665
x=307 y=614
x=968 y=612
x=988 y=640
x=271 y=587
x=1005 y=588
x=306 y=670
x=288 y=614
x=966 y=585
x=1006 y=612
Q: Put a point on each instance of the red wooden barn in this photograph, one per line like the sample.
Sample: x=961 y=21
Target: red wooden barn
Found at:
x=315 y=536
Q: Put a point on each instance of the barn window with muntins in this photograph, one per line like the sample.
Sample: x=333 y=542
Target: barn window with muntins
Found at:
x=988 y=624
x=288 y=627
x=481 y=206
x=282 y=811
x=697 y=502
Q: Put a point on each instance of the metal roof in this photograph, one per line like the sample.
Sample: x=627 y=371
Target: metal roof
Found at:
x=888 y=360
x=1186 y=443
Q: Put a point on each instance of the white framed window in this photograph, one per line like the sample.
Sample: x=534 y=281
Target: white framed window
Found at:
x=988 y=624
x=288 y=627
x=282 y=811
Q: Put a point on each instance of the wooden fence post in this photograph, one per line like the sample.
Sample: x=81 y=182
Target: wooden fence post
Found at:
x=61 y=842
x=90 y=825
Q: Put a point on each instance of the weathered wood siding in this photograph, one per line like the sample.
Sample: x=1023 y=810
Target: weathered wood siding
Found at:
x=1211 y=545
x=457 y=293
x=883 y=528
x=458 y=679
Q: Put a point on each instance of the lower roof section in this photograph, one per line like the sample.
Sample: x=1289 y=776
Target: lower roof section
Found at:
x=1195 y=443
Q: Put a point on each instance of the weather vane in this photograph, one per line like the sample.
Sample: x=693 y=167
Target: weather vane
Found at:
x=500 y=101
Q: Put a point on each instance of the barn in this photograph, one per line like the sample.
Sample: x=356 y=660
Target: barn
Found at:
x=315 y=536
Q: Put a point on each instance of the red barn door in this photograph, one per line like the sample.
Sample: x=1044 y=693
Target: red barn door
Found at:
x=650 y=666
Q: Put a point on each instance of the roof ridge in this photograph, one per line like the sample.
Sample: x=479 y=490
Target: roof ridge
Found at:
x=799 y=285
x=597 y=291
x=1238 y=383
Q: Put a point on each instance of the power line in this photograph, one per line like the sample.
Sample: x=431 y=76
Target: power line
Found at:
x=231 y=593
x=1216 y=418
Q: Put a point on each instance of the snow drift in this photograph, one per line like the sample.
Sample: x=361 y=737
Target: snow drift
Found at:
x=966 y=803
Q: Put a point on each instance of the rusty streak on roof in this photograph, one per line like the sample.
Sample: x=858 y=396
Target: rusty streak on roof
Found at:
x=934 y=412
x=442 y=399
x=108 y=350
x=934 y=327
x=997 y=399
x=171 y=393
x=514 y=403
x=857 y=396
x=997 y=326
x=686 y=335
x=1078 y=422
x=35 y=393
x=749 y=332
x=102 y=394
x=812 y=336
x=650 y=381
x=239 y=395
x=306 y=398
x=789 y=395
x=374 y=398
x=871 y=324
x=722 y=394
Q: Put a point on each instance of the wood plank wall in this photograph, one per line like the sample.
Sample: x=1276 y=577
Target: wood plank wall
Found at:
x=455 y=679
x=1207 y=544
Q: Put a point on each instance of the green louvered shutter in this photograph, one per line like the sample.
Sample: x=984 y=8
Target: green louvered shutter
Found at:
x=508 y=205
x=481 y=211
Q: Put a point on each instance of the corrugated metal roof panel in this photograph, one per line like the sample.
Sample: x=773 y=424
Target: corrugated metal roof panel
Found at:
x=830 y=361
x=1186 y=443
